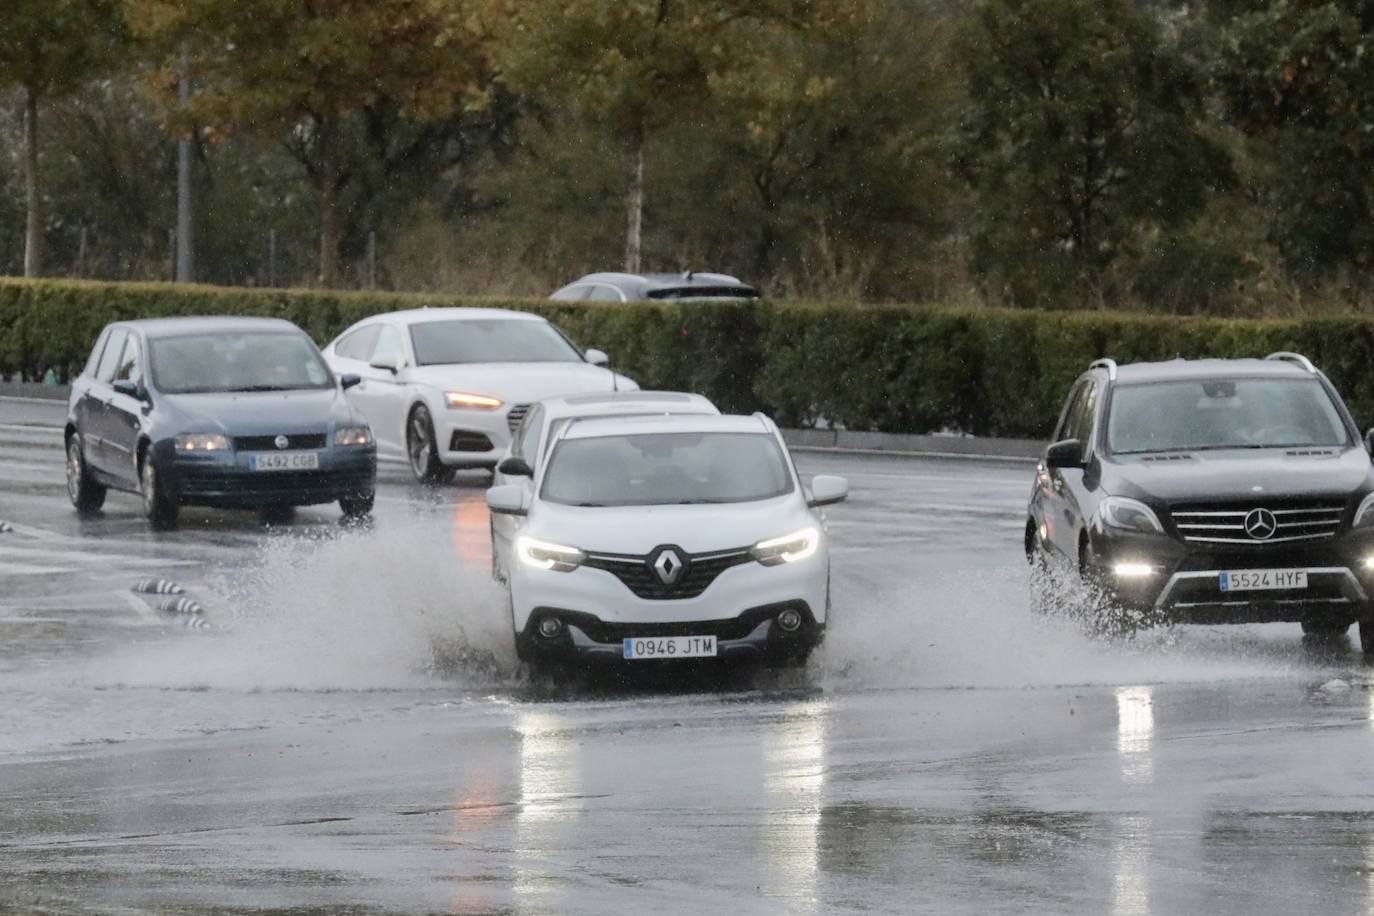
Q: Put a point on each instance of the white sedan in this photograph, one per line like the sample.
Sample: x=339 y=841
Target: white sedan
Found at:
x=670 y=537
x=444 y=388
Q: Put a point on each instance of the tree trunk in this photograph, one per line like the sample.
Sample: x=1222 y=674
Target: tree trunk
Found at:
x=331 y=229
x=185 y=272
x=33 y=223
x=634 y=202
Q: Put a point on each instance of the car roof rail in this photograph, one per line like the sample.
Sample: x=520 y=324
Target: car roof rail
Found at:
x=1108 y=364
x=1296 y=358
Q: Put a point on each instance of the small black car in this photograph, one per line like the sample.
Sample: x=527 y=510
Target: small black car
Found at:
x=1211 y=491
x=227 y=412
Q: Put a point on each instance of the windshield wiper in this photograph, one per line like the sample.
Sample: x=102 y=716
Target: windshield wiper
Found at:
x=260 y=388
x=590 y=505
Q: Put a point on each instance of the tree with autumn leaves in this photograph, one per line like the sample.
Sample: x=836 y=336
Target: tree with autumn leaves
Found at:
x=310 y=73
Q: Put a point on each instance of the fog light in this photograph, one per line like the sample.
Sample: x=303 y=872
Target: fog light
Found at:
x=1133 y=570
x=790 y=620
x=549 y=627
x=1368 y=563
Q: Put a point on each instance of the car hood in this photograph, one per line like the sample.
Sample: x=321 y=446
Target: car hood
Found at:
x=696 y=529
x=258 y=413
x=1242 y=474
x=521 y=383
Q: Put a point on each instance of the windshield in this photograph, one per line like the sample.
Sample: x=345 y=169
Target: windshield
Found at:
x=666 y=469
x=256 y=361
x=490 y=340
x=1220 y=414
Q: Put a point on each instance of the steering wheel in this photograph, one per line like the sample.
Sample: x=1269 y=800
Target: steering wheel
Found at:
x=1282 y=435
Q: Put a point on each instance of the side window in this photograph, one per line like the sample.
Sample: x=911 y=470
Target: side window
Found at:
x=1086 y=416
x=1068 y=418
x=603 y=293
x=98 y=349
x=521 y=441
x=109 y=360
x=359 y=344
x=573 y=293
x=130 y=368
x=533 y=436
x=389 y=346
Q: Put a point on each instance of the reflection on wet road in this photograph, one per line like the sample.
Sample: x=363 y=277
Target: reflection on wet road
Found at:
x=349 y=730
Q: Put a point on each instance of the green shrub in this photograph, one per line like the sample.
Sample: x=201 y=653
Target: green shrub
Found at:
x=993 y=372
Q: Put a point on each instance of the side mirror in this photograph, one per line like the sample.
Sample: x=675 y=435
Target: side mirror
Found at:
x=130 y=389
x=1067 y=453
x=1369 y=441
x=348 y=381
x=515 y=466
x=597 y=357
x=386 y=363
x=507 y=500
x=826 y=490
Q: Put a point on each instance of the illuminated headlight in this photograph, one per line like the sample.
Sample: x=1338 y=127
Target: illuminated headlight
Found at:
x=787 y=549
x=471 y=401
x=1133 y=570
x=1368 y=563
x=352 y=435
x=1126 y=514
x=1364 y=516
x=543 y=555
x=202 y=442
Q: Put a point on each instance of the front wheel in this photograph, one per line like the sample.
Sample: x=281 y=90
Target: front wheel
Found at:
x=357 y=505
x=423 y=448
x=160 y=510
x=1367 y=636
x=1325 y=629
x=86 y=495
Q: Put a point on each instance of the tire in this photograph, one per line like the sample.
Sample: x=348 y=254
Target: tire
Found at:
x=423 y=449
x=160 y=510
x=357 y=506
x=1367 y=637
x=86 y=495
x=278 y=515
x=1325 y=629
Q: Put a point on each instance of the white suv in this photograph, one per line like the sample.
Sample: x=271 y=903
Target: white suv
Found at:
x=667 y=537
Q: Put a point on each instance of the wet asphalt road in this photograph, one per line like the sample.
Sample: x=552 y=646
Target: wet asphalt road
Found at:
x=347 y=730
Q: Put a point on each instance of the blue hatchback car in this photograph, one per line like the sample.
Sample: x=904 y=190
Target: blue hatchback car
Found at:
x=227 y=412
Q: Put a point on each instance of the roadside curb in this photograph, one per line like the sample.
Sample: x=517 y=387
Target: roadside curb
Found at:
x=911 y=445
x=838 y=441
x=35 y=390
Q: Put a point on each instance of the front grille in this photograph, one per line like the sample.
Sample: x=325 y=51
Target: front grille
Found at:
x=269 y=443
x=516 y=414
x=464 y=440
x=638 y=575
x=234 y=483
x=727 y=629
x=1224 y=523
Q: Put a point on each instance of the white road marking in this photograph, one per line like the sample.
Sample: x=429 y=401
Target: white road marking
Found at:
x=140 y=607
x=29 y=569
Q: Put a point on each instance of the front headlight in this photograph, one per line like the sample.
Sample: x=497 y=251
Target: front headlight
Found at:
x=470 y=400
x=1125 y=514
x=543 y=555
x=1364 y=516
x=352 y=435
x=202 y=442
x=787 y=549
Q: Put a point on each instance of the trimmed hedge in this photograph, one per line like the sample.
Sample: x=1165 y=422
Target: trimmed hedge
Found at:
x=890 y=368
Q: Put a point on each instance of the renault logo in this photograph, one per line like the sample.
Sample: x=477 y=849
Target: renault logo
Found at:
x=1260 y=524
x=668 y=565
x=281 y=442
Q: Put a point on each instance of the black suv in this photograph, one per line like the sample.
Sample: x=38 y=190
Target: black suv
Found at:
x=1211 y=491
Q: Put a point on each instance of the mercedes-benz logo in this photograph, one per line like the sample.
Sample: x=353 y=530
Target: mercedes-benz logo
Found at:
x=281 y=442
x=1260 y=524
x=668 y=565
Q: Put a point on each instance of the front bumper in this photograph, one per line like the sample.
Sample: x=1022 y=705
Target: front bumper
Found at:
x=740 y=607
x=472 y=438
x=1185 y=585
x=227 y=481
